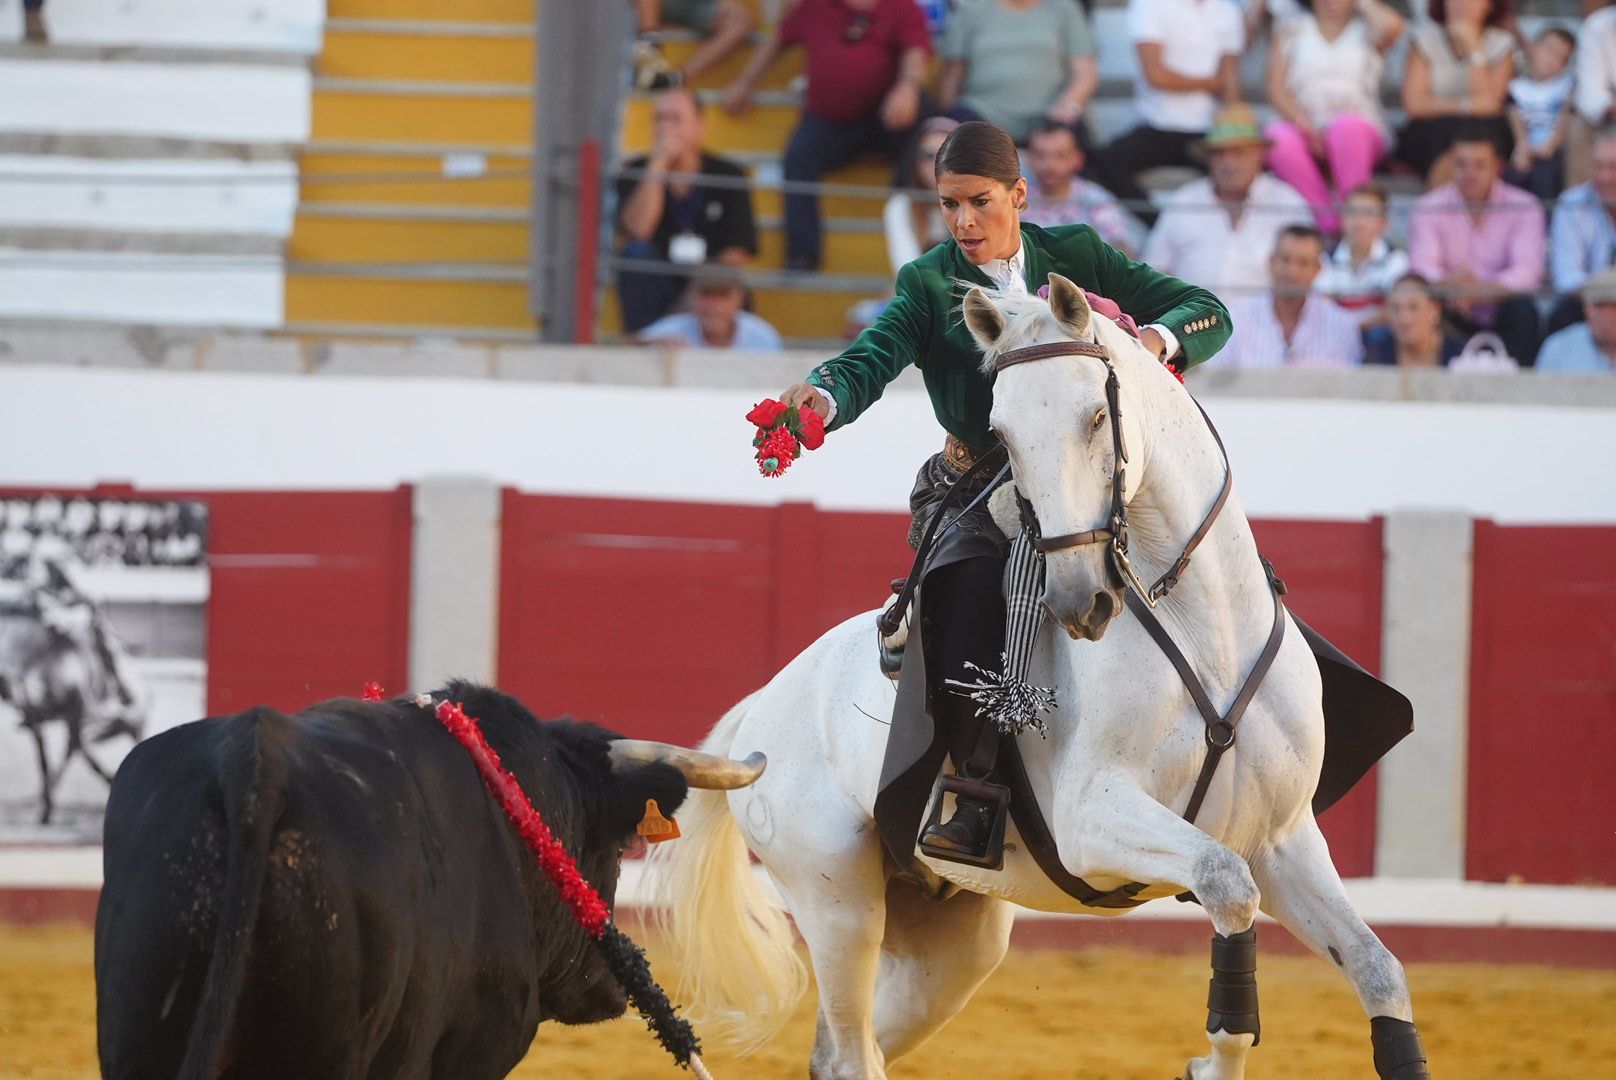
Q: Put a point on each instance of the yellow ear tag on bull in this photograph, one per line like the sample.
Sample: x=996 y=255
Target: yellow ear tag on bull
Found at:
x=654 y=827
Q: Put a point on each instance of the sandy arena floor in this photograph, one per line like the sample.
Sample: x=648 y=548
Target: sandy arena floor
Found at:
x=1103 y=1014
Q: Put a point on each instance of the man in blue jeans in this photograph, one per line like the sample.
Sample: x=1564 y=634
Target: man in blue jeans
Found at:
x=33 y=22
x=866 y=61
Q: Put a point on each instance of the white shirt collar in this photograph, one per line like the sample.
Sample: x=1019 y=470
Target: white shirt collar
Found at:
x=1008 y=274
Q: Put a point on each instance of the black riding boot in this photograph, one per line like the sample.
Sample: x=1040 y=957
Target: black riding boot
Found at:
x=963 y=613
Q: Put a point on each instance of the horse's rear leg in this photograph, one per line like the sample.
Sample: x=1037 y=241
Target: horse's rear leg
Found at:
x=934 y=957
x=1129 y=835
x=1302 y=890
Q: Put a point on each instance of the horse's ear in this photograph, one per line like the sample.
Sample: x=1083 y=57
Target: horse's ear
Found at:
x=983 y=319
x=1069 y=306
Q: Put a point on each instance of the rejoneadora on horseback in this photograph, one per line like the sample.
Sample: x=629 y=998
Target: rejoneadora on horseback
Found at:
x=1085 y=569
x=962 y=621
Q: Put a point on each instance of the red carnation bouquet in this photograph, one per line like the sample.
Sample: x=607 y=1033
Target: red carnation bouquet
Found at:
x=783 y=433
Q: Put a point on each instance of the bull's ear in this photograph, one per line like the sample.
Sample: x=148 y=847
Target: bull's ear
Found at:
x=983 y=319
x=1069 y=306
x=628 y=791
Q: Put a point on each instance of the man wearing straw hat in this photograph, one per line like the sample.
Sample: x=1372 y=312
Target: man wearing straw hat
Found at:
x=1220 y=230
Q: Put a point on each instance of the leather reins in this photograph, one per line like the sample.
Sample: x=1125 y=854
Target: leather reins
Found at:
x=1220 y=729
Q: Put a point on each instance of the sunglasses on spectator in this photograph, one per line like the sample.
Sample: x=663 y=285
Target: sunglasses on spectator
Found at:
x=856 y=29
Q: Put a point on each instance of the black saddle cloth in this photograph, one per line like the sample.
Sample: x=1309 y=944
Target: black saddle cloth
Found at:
x=1363 y=719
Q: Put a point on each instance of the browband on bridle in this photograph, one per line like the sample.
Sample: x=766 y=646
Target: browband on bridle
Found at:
x=1115 y=532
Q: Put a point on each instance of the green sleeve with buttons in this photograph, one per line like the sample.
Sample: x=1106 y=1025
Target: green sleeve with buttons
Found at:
x=923 y=326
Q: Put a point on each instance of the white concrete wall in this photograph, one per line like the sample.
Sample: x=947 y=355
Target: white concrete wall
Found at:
x=292 y=26
x=1292 y=458
x=189 y=197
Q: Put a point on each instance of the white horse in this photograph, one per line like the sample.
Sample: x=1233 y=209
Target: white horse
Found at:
x=1113 y=776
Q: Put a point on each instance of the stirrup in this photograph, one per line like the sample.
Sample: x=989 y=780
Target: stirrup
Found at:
x=991 y=857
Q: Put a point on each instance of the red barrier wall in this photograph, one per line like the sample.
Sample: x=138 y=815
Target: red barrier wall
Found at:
x=654 y=618
x=1543 y=705
x=1333 y=570
x=311 y=595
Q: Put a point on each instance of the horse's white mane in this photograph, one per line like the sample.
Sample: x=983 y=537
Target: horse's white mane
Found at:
x=1030 y=321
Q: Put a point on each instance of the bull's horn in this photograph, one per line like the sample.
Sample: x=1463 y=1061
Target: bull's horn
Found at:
x=700 y=770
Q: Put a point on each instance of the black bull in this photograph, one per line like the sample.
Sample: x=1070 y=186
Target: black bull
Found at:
x=335 y=894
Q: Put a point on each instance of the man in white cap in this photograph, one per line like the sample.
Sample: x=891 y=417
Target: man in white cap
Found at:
x=1587 y=346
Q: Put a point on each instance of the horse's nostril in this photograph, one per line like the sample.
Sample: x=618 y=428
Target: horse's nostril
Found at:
x=1104 y=606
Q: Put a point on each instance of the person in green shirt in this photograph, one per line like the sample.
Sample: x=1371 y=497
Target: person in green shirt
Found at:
x=981 y=192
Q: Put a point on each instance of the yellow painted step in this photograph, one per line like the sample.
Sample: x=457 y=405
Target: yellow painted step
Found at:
x=358 y=54
x=323 y=238
x=321 y=298
x=342 y=115
x=844 y=252
x=412 y=180
x=766 y=127
x=778 y=77
x=793 y=314
x=480 y=11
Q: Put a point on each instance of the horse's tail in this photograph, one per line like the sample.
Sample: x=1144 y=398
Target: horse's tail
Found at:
x=730 y=937
x=252 y=782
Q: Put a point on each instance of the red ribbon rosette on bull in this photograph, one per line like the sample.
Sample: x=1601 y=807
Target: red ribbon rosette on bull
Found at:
x=783 y=433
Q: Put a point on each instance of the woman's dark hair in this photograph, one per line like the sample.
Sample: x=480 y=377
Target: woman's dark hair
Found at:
x=1420 y=282
x=1498 y=12
x=978 y=148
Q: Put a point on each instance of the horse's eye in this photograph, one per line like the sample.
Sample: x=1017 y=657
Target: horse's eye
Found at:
x=1099 y=419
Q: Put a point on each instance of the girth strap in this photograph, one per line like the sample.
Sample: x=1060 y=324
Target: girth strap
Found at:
x=1219 y=729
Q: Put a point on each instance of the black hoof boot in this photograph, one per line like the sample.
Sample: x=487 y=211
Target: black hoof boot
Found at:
x=1398 y=1054
x=968 y=832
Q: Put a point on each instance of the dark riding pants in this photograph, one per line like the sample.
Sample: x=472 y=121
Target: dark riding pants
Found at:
x=963 y=616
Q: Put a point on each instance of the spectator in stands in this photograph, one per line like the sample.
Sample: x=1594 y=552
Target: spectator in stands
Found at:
x=1364 y=265
x=866 y=62
x=1220 y=231
x=33 y=22
x=723 y=24
x=1058 y=195
x=1482 y=241
x=1290 y=324
x=1413 y=335
x=914 y=222
x=1539 y=111
x=715 y=319
x=1588 y=346
x=1016 y=63
x=1458 y=74
x=1582 y=234
x=1189 y=59
x=676 y=220
x=1595 y=98
x=1324 y=70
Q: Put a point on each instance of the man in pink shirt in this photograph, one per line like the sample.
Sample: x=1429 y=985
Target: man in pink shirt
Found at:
x=1482 y=242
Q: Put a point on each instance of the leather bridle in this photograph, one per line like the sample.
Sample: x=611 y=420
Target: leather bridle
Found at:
x=1115 y=531
x=1220 y=729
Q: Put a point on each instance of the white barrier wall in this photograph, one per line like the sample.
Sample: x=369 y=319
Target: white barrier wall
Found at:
x=186 y=197
x=1293 y=458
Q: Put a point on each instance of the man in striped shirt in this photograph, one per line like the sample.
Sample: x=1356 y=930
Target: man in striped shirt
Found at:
x=1291 y=325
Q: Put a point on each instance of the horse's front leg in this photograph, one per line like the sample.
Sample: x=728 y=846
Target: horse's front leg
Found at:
x=1125 y=833
x=47 y=782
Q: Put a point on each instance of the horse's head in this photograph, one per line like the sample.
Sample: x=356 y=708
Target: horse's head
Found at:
x=1055 y=419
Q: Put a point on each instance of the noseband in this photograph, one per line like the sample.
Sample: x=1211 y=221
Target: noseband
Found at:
x=1115 y=531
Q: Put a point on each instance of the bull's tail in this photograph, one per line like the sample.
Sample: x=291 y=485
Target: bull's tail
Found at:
x=734 y=947
x=252 y=782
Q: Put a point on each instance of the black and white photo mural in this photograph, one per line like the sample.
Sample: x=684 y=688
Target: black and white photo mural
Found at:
x=103 y=608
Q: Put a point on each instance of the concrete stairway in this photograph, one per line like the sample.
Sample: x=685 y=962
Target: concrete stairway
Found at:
x=146 y=171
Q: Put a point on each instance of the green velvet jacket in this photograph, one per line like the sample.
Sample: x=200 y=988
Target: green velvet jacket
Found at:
x=923 y=325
